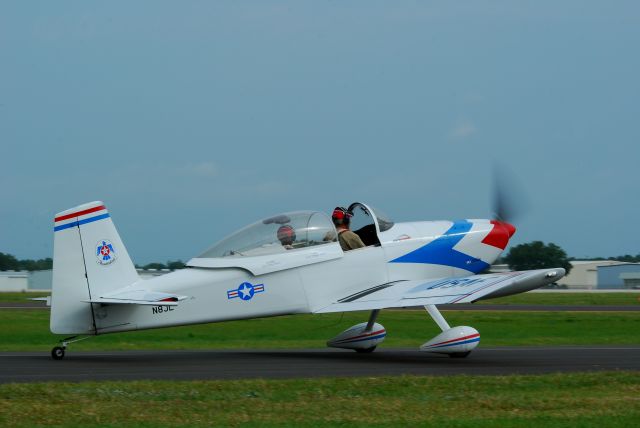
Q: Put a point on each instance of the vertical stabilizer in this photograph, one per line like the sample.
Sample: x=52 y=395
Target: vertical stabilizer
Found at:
x=89 y=259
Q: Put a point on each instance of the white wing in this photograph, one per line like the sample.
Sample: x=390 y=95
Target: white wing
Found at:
x=445 y=290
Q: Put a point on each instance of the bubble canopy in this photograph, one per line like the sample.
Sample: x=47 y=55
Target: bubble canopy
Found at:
x=277 y=234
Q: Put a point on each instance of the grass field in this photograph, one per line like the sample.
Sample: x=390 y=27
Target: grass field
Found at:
x=570 y=400
x=559 y=298
x=606 y=399
x=28 y=330
x=20 y=297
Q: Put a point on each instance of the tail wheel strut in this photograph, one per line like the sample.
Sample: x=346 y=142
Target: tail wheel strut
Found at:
x=57 y=353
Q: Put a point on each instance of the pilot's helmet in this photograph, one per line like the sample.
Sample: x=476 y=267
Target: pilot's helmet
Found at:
x=286 y=234
x=341 y=215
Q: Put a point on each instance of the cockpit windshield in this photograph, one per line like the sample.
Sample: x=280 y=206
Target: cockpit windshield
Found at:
x=384 y=222
x=277 y=234
x=363 y=215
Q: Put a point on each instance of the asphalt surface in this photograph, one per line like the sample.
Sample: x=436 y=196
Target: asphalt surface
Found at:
x=308 y=363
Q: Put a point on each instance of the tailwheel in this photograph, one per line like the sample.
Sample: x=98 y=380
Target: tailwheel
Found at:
x=366 y=350
x=57 y=353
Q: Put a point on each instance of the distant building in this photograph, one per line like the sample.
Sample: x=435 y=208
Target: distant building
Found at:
x=595 y=275
x=584 y=274
x=14 y=280
x=619 y=276
x=25 y=281
x=41 y=279
x=602 y=274
x=499 y=268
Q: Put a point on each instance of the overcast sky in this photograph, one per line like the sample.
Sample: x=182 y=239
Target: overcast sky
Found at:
x=191 y=119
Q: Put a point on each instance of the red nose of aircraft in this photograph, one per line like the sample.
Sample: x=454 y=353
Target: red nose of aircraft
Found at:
x=509 y=227
x=500 y=234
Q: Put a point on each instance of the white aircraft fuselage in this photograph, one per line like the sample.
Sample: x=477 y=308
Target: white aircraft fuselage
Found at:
x=251 y=284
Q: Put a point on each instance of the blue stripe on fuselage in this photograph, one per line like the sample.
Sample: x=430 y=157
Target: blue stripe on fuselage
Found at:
x=440 y=251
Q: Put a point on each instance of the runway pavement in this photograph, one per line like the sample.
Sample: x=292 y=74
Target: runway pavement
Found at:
x=307 y=363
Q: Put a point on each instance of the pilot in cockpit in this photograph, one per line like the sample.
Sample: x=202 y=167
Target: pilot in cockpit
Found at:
x=286 y=236
x=348 y=240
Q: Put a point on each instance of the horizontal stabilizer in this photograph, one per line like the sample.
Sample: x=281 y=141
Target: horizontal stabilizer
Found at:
x=46 y=299
x=469 y=289
x=138 y=297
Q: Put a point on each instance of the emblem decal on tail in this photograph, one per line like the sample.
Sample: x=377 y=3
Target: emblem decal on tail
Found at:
x=105 y=253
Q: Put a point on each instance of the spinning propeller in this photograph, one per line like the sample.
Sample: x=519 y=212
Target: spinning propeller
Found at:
x=508 y=204
x=508 y=195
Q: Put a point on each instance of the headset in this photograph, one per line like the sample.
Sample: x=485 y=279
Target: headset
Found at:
x=341 y=215
x=286 y=234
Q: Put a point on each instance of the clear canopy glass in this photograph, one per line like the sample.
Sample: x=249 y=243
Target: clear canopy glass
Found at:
x=363 y=216
x=277 y=234
x=384 y=221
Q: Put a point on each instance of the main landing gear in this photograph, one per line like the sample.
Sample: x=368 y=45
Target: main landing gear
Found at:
x=57 y=353
x=457 y=342
x=363 y=337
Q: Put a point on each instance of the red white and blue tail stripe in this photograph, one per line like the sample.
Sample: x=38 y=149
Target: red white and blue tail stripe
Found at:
x=83 y=214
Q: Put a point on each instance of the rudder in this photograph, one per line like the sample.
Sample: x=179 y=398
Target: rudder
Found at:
x=89 y=259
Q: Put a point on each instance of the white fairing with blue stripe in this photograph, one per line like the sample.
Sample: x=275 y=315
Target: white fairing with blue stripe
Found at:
x=359 y=337
x=456 y=340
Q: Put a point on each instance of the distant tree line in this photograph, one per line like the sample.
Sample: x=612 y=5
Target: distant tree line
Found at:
x=9 y=262
x=171 y=265
x=533 y=255
x=537 y=255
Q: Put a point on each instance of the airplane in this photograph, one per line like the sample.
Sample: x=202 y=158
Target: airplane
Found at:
x=254 y=273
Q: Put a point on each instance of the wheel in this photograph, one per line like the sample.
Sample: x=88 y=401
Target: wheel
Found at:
x=57 y=353
x=460 y=354
x=366 y=350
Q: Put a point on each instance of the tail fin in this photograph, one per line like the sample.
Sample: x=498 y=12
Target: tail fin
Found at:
x=89 y=259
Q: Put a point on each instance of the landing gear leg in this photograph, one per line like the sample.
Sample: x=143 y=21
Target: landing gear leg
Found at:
x=437 y=317
x=372 y=320
x=57 y=353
